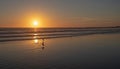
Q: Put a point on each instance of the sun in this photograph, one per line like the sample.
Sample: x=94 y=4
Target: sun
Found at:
x=35 y=23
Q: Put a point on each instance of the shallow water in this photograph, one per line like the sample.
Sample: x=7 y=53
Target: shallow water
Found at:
x=98 y=51
x=20 y=34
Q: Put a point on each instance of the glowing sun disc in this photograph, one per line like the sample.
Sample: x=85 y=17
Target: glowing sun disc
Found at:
x=35 y=23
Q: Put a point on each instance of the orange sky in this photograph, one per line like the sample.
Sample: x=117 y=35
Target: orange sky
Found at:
x=59 y=13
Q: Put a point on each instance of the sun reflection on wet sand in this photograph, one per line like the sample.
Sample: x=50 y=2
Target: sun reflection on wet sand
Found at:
x=36 y=41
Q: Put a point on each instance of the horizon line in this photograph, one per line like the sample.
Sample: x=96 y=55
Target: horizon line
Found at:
x=65 y=27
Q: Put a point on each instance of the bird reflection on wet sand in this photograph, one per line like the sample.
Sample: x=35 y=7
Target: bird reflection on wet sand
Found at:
x=43 y=44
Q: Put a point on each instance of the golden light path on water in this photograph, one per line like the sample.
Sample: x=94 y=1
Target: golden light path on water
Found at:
x=35 y=38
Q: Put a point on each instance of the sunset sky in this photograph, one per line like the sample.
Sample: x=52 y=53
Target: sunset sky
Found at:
x=59 y=13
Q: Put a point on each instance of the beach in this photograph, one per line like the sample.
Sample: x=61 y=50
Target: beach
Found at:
x=96 y=51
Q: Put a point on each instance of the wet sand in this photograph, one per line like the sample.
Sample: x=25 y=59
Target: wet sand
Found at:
x=99 y=51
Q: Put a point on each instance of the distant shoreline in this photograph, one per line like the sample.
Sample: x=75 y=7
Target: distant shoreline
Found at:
x=64 y=27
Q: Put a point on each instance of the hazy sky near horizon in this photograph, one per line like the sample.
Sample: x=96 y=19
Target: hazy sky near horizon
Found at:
x=59 y=13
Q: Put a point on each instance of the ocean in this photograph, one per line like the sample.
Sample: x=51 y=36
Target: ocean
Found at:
x=60 y=48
